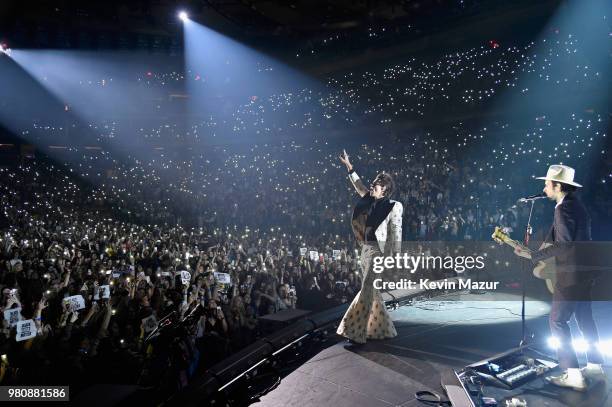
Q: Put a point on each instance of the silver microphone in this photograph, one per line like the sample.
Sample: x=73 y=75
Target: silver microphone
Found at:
x=533 y=197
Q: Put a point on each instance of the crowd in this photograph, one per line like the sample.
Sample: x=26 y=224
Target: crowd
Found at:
x=98 y=247
x=413 y=88
x=130 y=276
x=456 y=184
x=417 y=88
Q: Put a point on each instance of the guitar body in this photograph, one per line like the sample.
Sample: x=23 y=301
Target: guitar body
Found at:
x=544 y=269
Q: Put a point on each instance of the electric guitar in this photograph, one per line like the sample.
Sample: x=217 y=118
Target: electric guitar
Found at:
x=544 y=269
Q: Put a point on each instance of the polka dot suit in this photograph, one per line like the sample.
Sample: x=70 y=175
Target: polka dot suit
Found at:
x=367 y=317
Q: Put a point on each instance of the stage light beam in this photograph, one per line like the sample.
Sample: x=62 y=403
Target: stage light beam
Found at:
x=183 y=16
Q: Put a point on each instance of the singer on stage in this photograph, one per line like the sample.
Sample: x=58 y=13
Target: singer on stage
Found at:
x=574 y=279
x=377 y=225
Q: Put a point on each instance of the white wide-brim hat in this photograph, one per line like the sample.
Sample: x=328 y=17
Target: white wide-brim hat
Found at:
x=561 y=173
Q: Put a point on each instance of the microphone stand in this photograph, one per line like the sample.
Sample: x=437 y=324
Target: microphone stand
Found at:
x=528 y=231
x=475 y=291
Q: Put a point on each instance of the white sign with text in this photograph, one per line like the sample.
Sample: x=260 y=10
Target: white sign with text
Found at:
x=12 y=316
x=25 y=330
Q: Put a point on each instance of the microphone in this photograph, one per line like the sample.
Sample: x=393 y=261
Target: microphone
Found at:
x=532 y=197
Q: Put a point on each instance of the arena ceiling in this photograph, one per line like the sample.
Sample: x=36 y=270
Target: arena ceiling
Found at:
x=268 y=18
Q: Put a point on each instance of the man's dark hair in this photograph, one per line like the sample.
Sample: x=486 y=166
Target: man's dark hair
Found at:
x=386 y=180
x=567 y=188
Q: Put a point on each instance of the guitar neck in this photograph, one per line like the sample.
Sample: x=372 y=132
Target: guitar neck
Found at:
x=515 y=244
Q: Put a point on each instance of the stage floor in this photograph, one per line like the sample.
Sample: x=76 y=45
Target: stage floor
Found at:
x=433 y=338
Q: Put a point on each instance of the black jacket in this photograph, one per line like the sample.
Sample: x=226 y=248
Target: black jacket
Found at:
x=569 y=233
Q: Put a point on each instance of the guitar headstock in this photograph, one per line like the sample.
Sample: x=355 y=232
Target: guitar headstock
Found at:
x=500 y=236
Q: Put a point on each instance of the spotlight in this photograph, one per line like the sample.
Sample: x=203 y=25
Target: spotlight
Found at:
x=183 y=16
x=580 y=345
x=554 y=342
x=4 y=49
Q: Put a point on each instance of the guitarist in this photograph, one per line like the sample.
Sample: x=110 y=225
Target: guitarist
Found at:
x=573 y=286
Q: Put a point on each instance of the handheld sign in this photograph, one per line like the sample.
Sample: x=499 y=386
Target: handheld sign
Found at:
x=74 y=303
x=12 y=316
x=185 y=277
x=25 y=330
x=222 y=278
x=101 y=292
x=149 y=323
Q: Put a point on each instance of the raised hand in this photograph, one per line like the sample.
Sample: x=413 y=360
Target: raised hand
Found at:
x=42 y=304
x=519 y=251
x=74 y=317
x=94 y=308
x=344 y=159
